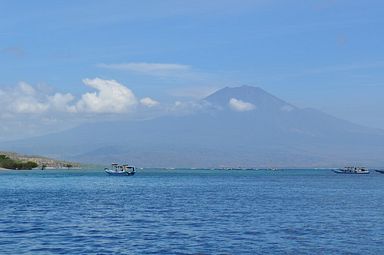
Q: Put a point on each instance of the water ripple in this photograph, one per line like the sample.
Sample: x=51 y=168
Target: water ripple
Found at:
x=191 y=212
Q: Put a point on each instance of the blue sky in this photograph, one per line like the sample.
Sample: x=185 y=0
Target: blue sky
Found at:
x=324 y=54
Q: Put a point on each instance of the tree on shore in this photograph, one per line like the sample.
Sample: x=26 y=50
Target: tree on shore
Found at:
x=68 y=166
x=8 y=163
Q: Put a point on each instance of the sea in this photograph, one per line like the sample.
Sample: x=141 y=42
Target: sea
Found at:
x=191 y=211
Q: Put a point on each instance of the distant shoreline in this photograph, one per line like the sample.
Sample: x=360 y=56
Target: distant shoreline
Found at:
x=48 y=168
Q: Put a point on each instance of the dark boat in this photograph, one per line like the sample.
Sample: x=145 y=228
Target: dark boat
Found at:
x=380 y=171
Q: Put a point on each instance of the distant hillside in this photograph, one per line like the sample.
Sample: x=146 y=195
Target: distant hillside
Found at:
x=40 y=161
x=234 y=127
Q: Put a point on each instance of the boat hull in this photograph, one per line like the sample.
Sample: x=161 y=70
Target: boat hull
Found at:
x=119 y=173
x=339 y=171
x=380 y=171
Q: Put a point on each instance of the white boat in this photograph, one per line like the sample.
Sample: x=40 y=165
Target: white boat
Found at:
x=120 y=170
x=351 y=170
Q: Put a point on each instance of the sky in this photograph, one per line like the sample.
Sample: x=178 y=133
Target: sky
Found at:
x=66 y=62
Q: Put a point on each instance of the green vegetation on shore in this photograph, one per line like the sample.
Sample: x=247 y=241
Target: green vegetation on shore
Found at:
x=8 y=163
x=12 y=160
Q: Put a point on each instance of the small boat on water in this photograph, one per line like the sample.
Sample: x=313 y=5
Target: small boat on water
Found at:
x=117 y=169
x=351 y=170
x=380 y=171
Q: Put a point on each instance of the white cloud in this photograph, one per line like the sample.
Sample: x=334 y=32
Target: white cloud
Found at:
x=27 y=99
x=27 y=110
x=23 y=99
x=162 y=69
x=28 y=105
x=26 y=89
x=149 y=102
x=185 y=107
x=240 y=106
x=61 y=102
x=111 y=97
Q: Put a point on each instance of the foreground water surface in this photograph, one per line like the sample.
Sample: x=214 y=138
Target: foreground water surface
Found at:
x=191 y=212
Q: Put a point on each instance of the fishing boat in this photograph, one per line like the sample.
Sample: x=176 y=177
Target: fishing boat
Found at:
x=380 y=171
x=124 y=170
x=351 y=170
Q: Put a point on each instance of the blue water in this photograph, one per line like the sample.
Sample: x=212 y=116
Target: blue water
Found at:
x=191 y=212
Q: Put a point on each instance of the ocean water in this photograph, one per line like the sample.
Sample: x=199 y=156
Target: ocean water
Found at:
x=191 y=212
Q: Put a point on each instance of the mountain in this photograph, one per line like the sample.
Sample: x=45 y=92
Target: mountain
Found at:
x=242 y=126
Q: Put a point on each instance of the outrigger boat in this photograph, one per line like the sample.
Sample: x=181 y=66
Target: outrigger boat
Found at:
x=120 y=170
x=351 y=170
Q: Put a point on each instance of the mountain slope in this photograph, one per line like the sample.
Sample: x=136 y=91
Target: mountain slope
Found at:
x=270 y=133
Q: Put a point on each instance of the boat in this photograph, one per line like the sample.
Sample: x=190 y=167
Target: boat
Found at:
x=380 y=171
x=124 y=170
x=351 y=170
